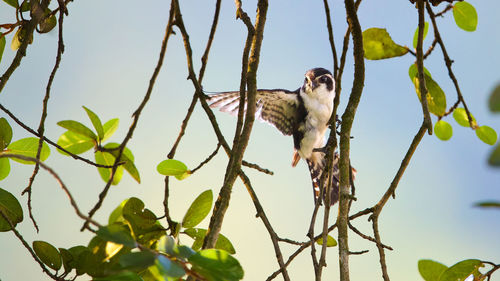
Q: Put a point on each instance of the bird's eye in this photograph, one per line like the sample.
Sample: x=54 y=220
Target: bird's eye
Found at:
x=305 y=80
x=323 y=79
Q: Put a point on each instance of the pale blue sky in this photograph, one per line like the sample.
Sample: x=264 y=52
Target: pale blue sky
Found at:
x=111 y=50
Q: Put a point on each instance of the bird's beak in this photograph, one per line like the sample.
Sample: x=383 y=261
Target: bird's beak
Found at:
x=313 y=85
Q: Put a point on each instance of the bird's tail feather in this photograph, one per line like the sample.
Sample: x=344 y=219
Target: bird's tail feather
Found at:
x=316 y=170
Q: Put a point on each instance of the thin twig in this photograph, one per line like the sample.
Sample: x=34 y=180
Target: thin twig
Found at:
x=33 y=132
x=448 y=63
x=367 y=237
x=207 y=160
x=420 y=66
x=59 y=181
x=136 y=115
x=27 y=246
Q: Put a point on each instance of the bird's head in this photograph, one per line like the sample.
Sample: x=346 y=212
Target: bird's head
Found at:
x=318 y=80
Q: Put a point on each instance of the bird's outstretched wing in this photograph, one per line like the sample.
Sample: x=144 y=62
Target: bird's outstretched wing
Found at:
x=279 y=108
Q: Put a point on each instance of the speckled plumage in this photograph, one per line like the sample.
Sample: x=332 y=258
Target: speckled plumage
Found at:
x=303 y=113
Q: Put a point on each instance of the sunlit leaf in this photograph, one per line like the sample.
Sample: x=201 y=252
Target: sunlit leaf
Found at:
x=75 y=143
x=487 y=135
x=78 y=128
x=105 y=158
x=436 y=99
x=48 y=254
x=117 y=214
x=465 y=16
x=431 y=270
x=461 y=270
x=460 y=115
x=198 y=234
x=126 y=157
x=330 y=241
x=16 y=40
x=415 y=36
x=378 y=44
x=110 y=128
x=28 y=147
x=117 y=234
x=9 y=207
x=443 y=130
x=171 y=167
x=198 y=210
x=141 y=220
x=413 y=72
x=216 y=265
x=5 y=133
x=96 y=122
x=488 y=204
x=4 y=168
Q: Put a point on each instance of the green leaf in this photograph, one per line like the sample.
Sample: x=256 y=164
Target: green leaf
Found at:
x=461 y=270
x=77 y=254
x=494 y=159
x=67 y=258
x=5 y=133
x=494 y=101
x=171 y=167
x=116 y=234
x=167 y=245
x=460 y=115
x=436 y=99
x=431 y=270
x=443 y=130
x=415 y=36
x=105 y=158
x=465 y=16
x=122 y=276
x=4 y=168
x=166 y=269
x=48 y=24
x=413 y=72
x=330 y=241
x=487 y=135
x=25 y=6
x=198 y=210
x=198 y=234
x=140 y=219
x=75 y=143
x=11 y=208
x=78 y=128
x=96 y=122
x=216 y=265
x=13 y=3
x=488 y=204
x=28 y=147
x=2 y=45
x=48 y=254
x=117 y=214
x=110 y=128
x=138 y=260
x=126 y=157
x=378 y=44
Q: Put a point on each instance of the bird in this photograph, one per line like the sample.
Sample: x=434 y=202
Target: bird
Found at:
x=303 y=114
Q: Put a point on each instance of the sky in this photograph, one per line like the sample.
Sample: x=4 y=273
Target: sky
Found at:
x=111 y=50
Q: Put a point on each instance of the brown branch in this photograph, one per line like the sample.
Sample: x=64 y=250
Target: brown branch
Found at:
x=240 y=144
x=257 y=167
x=27 y=246
x=345 y=133
x=367 y=237
x=33 y=132
x=448 y=63
x=390 y=192
x=136 y=114
x=420 y=66
x=59 y=181
x=206 y=160
x=41 y=126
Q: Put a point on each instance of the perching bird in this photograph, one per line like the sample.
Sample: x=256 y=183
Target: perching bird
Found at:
x=303 y=113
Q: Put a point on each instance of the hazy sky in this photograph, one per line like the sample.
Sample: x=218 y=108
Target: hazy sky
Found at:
x=111 y=50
